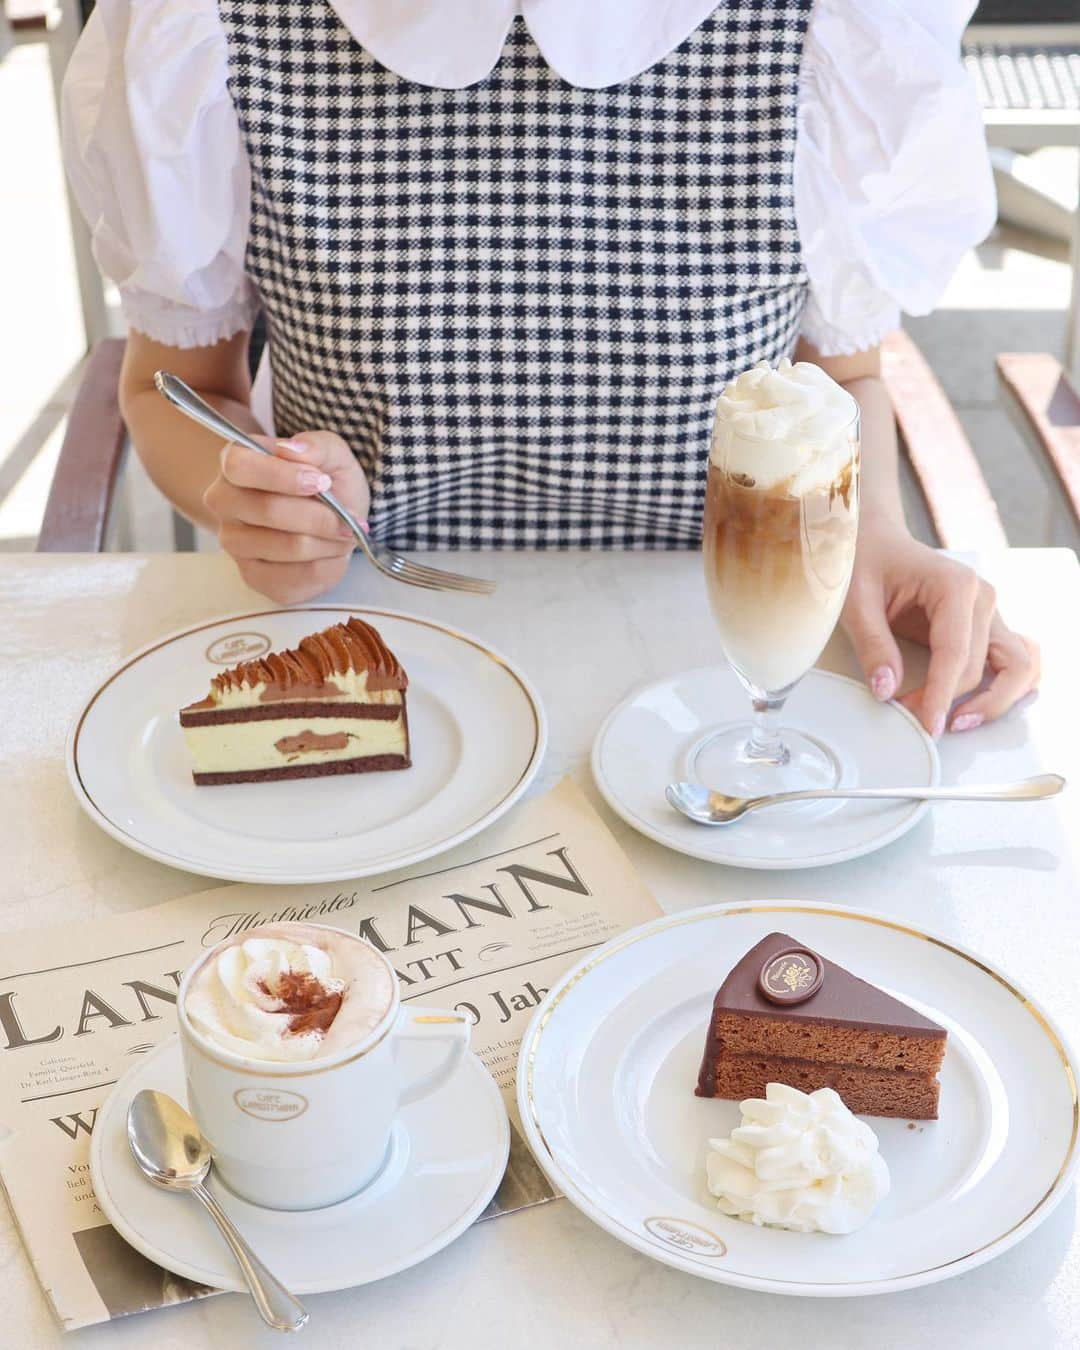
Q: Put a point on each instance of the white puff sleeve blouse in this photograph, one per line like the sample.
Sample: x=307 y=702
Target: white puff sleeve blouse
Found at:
x=892 y=180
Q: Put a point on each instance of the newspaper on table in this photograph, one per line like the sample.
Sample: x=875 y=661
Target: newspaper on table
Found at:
x=486 y=928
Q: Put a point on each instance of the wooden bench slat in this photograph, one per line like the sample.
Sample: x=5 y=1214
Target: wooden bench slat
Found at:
x=1041 y=398
x=77 y=510
x=958 y=498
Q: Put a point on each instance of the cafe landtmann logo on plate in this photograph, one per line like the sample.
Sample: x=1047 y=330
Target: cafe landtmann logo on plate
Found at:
x=270 y=1103
x=236 y=647
x=685 y=1236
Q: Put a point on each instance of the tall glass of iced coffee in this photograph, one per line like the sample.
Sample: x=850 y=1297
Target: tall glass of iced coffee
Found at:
x=781 y=519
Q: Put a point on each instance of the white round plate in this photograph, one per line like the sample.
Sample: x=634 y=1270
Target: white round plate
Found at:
x=476 y=724
x=649 y=739
x=606 y=1081
x=447 y=1157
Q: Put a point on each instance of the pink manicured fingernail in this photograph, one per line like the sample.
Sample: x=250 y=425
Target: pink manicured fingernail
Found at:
x=967 y=721
x=312 y=481
x=297 y=447
x=883 y=684
x=938 y=727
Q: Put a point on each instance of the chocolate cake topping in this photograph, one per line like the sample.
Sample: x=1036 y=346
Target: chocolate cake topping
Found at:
x=840 y=998
x=792 y=976
x=304 y=671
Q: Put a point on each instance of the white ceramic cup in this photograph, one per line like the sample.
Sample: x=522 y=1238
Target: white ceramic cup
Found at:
x=301 y=1135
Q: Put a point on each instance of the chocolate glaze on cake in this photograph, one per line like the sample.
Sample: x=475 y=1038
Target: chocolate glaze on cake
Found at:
x=842 y=998
x=881 y=1055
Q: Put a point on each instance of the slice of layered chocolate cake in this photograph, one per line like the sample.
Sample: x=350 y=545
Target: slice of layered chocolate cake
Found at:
x=335 y=704
x=786 y=1015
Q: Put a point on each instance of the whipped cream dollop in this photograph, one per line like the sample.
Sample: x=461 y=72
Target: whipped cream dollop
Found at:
x=793 y=426
x=800 y=1161
x=277 y=996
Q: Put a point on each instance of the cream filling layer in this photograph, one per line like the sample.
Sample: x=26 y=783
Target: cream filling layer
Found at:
x=236 y=747
x=352 y=683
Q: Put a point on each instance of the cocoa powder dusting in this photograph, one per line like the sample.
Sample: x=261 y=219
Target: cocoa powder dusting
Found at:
x=312 y=1007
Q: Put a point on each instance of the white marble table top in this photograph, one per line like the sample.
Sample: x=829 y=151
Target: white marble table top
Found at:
x=588 y=628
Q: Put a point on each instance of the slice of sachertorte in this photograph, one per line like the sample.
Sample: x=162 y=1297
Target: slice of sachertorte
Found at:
x=787 y=1015
x=335 y=704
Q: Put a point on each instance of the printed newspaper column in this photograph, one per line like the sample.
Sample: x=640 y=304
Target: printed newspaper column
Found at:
x=486 y=928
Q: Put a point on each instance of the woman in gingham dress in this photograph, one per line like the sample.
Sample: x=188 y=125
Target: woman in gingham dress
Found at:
x=508 y=253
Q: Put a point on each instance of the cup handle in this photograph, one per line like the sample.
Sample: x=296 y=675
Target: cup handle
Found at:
x=432 y=1024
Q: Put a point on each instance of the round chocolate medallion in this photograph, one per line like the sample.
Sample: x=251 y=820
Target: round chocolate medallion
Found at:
x=791 y=976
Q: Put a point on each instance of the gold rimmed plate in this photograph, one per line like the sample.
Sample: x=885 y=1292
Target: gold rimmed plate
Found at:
x=477 y=728
x=606 y=1091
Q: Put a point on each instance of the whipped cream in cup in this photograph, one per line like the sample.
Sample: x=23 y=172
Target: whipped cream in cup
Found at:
x=280 y=995
x=290 y=1037
x=799 y=1161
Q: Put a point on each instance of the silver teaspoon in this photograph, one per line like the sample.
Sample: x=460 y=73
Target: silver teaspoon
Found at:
x=708 y=807
x=171 y=1151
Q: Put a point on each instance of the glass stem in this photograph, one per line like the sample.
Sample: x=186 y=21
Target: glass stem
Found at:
x=765 y=745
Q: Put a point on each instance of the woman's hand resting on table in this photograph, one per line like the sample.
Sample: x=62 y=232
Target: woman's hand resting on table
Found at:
x=286 y=545
x=901 y=588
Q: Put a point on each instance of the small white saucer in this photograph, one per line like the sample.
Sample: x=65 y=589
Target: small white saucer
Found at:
x=651 y=739
x=446 y=1159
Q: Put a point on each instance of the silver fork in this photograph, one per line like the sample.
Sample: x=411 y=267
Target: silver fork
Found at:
x=392 y=564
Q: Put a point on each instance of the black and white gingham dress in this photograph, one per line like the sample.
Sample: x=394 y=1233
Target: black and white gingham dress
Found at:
x=518 y=301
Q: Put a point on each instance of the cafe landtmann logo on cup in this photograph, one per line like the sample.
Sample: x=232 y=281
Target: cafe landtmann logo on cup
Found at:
x=236 y=647
x=270 y=1103
x=685 y=1236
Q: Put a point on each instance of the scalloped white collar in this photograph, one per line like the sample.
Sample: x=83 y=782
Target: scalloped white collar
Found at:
x=454 y=43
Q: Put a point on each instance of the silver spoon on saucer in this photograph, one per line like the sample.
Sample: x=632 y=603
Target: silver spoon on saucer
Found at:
x=708 y=807
x=170 y=1149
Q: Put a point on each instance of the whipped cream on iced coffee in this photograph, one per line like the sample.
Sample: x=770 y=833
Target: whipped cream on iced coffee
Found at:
x=789 y=426
x=289 y=992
